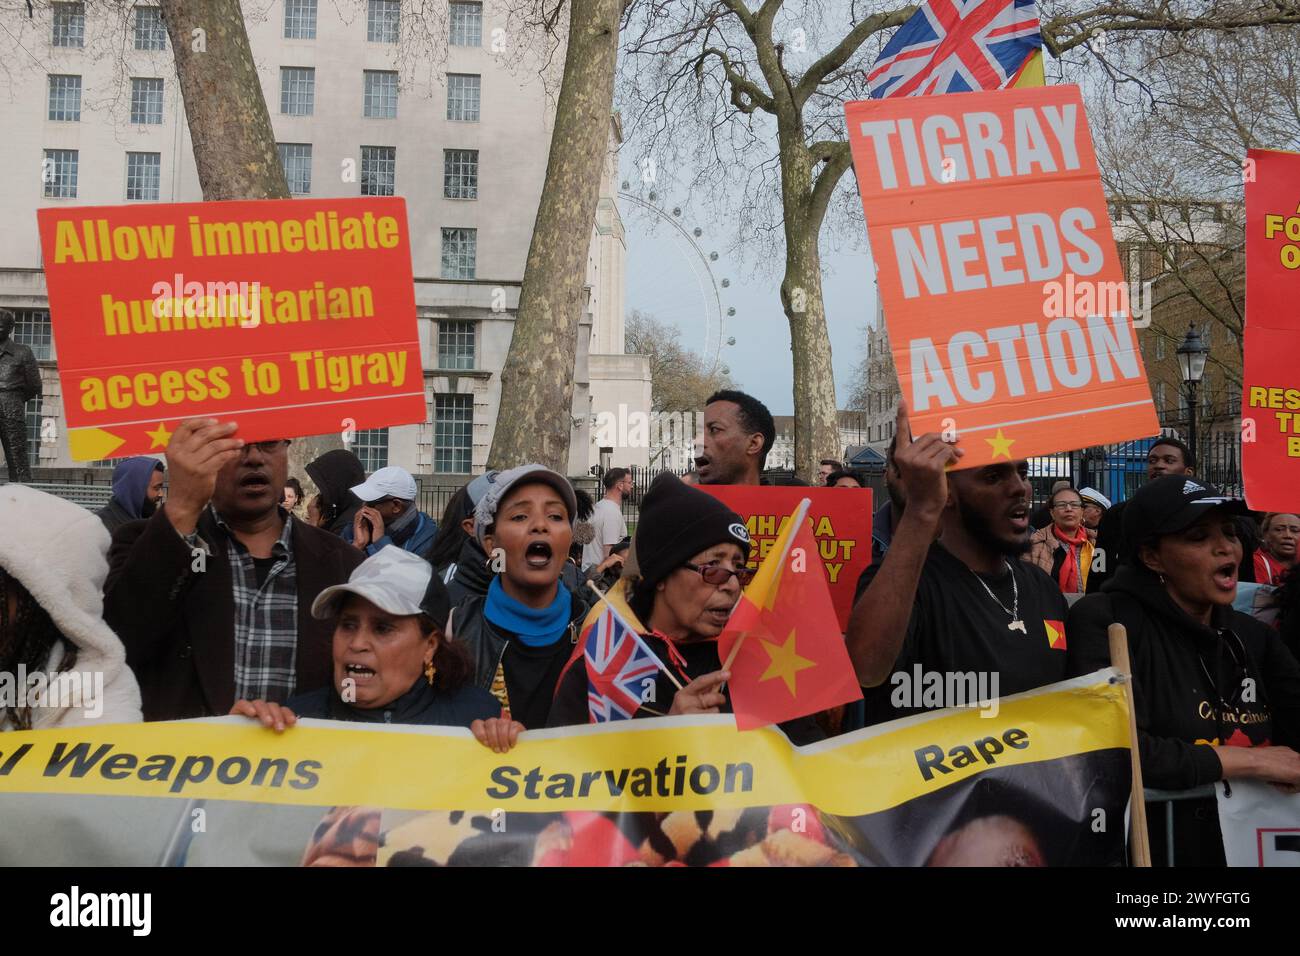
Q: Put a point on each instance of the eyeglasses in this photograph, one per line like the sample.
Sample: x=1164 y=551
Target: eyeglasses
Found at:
x=267 y=447
x=718 y=574
x=1067 y=506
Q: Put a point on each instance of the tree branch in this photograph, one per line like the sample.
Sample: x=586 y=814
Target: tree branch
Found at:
x=842 y=51
x=741 y=85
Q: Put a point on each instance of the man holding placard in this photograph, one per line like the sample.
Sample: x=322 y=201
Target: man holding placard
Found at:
x=212 y=595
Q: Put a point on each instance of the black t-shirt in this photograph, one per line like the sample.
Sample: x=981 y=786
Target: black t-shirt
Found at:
x=262 y=568
x=957 y=627
x=531 y=676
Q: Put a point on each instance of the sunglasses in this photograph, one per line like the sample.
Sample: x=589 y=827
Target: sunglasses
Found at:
x=717 y=574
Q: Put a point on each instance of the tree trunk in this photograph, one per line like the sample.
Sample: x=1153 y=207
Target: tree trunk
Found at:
x=816 y=425
x=234 y=143
x=534 y=422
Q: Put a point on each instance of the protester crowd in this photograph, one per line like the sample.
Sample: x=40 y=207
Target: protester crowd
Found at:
x=242 y=594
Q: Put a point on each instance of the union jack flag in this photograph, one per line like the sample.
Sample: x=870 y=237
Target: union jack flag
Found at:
x=956 y=46
x=618 y=663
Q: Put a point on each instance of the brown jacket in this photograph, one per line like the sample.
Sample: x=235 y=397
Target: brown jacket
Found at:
x=1048 y=551
x=178 y=625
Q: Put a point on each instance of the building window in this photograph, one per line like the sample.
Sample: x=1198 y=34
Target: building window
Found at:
x=297 y=90
x=1160 y=346
x=378 y=170
x=296 y=160
x=300 y=19
x=146 y=100
x=455 y=345
x=1206 y=338
x=381 y=21
x=150 y=33
x=459 y=253
x=463 y=96
x=65 y=98
x=69 y=24
x=460 y=173
x=59 y=173
x=371 y=446
x=467 y=24
x=32 y=328
x=453 y=433
x=381 y=94
x=143 y=172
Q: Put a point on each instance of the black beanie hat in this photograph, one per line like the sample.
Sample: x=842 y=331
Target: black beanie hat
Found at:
x=676 y=523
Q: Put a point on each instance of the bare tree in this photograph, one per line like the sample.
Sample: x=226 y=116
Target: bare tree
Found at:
x=681 y=381
x=728 y=89
x=1171 y=147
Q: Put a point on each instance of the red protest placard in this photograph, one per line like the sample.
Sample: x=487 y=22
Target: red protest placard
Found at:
x=1002 y=291
x=1270 y=440
x=840 y=519
x=291 y=317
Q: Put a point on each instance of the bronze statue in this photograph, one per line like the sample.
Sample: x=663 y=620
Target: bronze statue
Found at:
x=20 y=382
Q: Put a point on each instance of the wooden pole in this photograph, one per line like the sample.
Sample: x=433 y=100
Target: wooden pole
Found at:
x=1139 y=843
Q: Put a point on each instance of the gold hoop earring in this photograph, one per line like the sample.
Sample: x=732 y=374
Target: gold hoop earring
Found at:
x=429 y=671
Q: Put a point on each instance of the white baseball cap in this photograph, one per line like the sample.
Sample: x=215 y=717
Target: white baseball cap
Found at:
x=390 y=482
x=393 y=580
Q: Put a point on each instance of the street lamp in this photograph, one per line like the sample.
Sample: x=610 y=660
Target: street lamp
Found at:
x=1191 y=360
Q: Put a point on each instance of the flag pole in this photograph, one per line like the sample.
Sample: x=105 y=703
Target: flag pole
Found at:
x=1139 y=841
x=635 y=636
x=796 y=519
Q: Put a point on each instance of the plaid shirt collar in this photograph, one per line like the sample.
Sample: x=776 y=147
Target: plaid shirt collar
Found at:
x=283 y=544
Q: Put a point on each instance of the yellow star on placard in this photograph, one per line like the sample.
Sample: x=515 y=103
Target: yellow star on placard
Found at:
x=1001 y=445
x=785 y=663
x=160 y=436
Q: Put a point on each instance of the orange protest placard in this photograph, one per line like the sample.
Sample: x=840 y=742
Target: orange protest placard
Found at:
x=840 y=519
x=1270 y=439
x=291 y=317
x=1002 y=291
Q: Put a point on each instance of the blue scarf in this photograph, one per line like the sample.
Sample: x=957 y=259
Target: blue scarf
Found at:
x=534 y=627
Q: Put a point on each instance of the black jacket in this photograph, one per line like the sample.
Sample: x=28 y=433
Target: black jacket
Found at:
x=1181 y=671
x=419 y=705
x=697 y=659
x=114 y=515
x=468 y=576
x=531 y=686
x=178 y=623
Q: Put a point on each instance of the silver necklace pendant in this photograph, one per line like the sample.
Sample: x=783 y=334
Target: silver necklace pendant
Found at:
x=1017 y=626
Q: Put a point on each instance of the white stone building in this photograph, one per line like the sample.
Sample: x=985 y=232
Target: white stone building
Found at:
x=449 y=112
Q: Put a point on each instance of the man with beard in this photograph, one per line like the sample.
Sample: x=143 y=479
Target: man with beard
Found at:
x=962 y=604
x=137 y=490
x=212 y=595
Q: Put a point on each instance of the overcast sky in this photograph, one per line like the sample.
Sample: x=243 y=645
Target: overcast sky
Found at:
x=660 y=280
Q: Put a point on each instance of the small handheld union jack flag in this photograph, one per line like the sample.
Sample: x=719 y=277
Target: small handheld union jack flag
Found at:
x=618 y=665
x=957 y=46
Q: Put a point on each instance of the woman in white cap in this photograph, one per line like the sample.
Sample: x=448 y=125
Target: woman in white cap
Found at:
x=391 y=662
x=52 y=571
